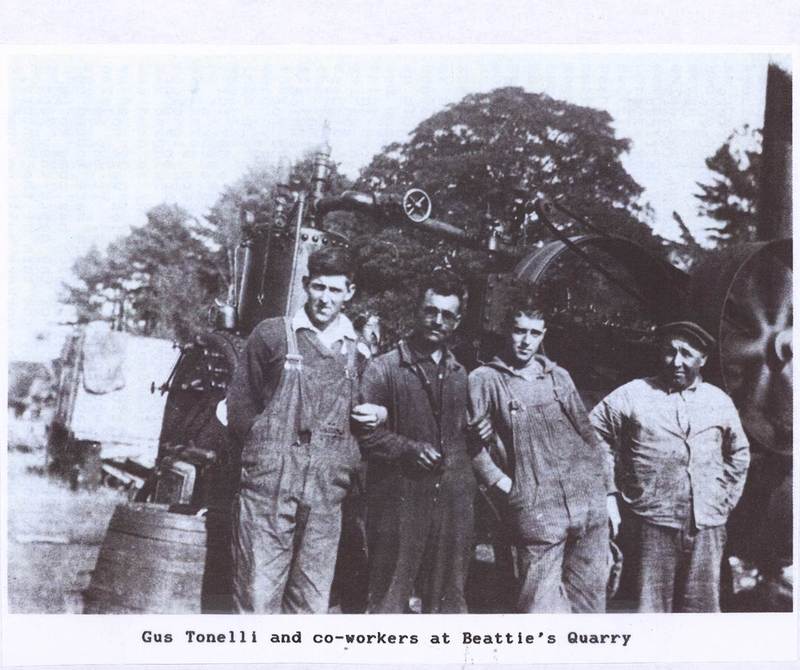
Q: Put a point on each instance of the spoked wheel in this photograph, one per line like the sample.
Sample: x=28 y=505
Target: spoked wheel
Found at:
x=755 y=347
x=747 y=290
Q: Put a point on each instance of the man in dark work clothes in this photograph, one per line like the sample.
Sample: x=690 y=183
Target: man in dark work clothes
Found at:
x=420 y=483
x=289 y=406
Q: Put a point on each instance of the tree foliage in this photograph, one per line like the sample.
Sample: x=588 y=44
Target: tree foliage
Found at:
x=158 y=280
x=731 y=198
x=162 y=277
x=478 y=159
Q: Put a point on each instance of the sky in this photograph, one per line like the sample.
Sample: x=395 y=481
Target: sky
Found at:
x=96 y=139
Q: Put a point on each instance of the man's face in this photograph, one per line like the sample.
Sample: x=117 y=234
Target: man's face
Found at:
x=525 y=336
x=438 y=317
x=326 y=296
x=681 y=362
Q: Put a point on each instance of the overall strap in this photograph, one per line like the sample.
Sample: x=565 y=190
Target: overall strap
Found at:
x=561 y=402
x=514 y=403
x=294 y=360
x=352 y=351
x=351 y=371
x=519 y=420
x=294 y=363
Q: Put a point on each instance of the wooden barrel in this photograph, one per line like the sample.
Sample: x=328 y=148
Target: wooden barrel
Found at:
x=156 y=561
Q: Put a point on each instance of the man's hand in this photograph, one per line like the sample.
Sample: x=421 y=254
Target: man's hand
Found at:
x=481 y=430
x=427 y=457
x=504 y=484
x=369 y=416
x=614 y=517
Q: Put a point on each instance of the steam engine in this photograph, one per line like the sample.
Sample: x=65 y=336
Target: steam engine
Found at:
x=606 y=295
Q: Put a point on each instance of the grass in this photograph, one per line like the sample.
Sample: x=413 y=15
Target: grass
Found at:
x=43 y=575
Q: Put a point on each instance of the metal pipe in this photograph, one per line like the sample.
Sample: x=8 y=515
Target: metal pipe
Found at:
x=388 y=209
x=775 y=202
x=246 y=300
x=351 y=201
x=301 y=208
x=322 y=169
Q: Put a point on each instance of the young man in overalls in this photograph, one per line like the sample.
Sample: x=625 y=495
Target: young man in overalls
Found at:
x=539 y=457
x=289 y=406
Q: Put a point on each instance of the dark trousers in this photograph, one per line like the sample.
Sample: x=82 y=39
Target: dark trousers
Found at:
x=678 y=569
x=427 y=551
x=569 y=575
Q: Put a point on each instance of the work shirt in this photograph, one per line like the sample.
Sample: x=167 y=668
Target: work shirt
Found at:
x=678 y=454
x=390 y=380
x=334 y=335
x=419 y=523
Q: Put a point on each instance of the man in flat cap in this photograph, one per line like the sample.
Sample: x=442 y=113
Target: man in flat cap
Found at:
x=681 y=457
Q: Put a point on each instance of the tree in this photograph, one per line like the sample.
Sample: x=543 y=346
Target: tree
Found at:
x=158 y=280
x=89 y=296
x=732 y=196
x=478 y=159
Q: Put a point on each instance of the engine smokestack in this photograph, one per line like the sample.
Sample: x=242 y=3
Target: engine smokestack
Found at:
x=775 y=204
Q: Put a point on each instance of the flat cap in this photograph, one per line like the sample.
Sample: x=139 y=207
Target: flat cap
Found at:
x=689 y=330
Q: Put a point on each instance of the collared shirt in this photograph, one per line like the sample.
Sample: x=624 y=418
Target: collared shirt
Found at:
x=338 y=331
x=677 y=453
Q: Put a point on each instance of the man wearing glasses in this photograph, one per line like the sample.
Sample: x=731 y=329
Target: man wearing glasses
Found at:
x=420 y=484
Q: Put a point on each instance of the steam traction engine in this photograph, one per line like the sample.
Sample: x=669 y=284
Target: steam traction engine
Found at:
x=606 y=294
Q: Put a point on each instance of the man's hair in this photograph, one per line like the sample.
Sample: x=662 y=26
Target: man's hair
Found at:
x=527 y=304
x=443 y=282
x=331 y=261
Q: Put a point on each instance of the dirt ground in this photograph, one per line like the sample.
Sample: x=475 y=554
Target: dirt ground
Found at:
x=54 y=535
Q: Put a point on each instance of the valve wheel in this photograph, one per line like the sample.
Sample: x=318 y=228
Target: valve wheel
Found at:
x=417 y=205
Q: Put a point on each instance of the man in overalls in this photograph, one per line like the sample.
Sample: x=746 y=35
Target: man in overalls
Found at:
x=420 y=484
x=289 y=407
x=539 y=458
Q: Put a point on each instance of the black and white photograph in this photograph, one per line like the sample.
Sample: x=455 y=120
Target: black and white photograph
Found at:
x=400 y=331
